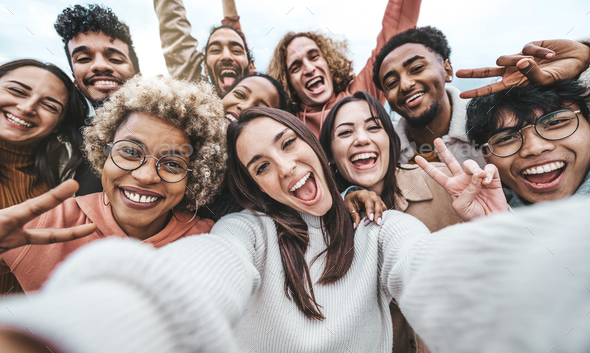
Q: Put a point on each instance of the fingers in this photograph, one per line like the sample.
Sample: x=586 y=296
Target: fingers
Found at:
x=352 y=209
x=375 y=207
x=492 y=174
x=32 y=208
x=433 y=172
x=535 y=49
x=462 y=203
x=511 y=60
x=530 y=69
x=58 y=235
x=447 y=157
x=484 y=91
x=472 y=168
x=483 y=72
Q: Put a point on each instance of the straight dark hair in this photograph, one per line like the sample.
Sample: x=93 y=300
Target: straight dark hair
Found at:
x=46 y=164
x=292 y=231
x=390 y=187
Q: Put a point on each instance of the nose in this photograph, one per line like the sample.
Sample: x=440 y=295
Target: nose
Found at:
x=287 y=167
x=101 y=65
x=406 y=83
x=27 y=106
x=147 y=174
x=533 y=144
x=361 y=138
x=226 y=54
x=307 y=67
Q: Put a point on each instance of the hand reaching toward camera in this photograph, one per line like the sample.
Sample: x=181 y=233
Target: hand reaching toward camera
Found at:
x=13 y=219
x=364 y=200
x=475 y=192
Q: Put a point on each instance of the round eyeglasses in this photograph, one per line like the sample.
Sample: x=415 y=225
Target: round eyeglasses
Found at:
x=554 y=126
x=129 y=155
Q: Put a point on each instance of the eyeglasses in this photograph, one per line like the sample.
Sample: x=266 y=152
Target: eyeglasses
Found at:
x=554 y=126
x=129 y=155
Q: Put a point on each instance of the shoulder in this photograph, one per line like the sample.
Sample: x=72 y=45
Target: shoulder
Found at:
x=243 y=221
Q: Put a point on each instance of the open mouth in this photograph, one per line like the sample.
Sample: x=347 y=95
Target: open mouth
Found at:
x=306 y=189
x=364 y=160
x=315 y=85
x=414 y=99
x=105 y=83
x=140 y=198
x=228 y=76
x=543 y=176
x=231 y=116
x=18 y=122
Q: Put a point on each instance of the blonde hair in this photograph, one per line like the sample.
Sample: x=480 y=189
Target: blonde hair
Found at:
x=193 y=108
x=334 y=52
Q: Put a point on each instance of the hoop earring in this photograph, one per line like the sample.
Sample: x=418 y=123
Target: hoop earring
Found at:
x=102 y=199
x=190 y=220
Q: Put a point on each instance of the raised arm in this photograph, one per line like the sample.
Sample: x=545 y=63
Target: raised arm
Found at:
x=230 y=15
x=400 y=15
x=123 y=296
x=183 y=60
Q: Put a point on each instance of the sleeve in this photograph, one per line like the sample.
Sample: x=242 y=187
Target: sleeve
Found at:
x=400 y=15
x=120 y=295
x=509 y=282
x=183 y=60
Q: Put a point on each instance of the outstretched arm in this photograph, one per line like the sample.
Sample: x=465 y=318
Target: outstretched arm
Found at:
x=400 y=15
x=230 y=15
x=183 y=60
x=541 y=63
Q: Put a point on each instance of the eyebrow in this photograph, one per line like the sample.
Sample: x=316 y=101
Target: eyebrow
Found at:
x=307 y=54
x=247 y=88
x=275 y=140
x=352 y=124
x=30 y=89
x=109 y=49
x=231 y=44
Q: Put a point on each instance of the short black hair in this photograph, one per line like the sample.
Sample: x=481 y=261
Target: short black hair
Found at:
x=240 y=33
x=282 y=94
x=430 y=37
x=79 y=19
x=485 y=114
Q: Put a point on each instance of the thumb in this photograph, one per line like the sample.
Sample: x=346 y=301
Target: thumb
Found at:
x=529 y=68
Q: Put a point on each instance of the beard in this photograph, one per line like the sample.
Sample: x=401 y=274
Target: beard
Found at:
x=214 y=76
x=420 y=122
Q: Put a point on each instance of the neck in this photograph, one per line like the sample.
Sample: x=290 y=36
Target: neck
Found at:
x=144 y=232
x=377 y=188
x=438 y=128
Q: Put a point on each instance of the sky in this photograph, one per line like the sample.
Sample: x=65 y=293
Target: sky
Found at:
x=478 y=31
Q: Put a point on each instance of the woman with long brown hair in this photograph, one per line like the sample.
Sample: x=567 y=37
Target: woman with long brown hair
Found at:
x=286 y=275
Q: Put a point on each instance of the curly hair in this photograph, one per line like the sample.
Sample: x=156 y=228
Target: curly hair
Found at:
x=334 y=52
x=79 y=19
x=430 y=37
x=193 y=108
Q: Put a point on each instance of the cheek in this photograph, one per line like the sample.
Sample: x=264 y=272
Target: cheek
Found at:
x=176 y=190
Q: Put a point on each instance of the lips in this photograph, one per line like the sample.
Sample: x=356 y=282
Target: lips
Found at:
x=413 y=99
x=315 y=85
x=227 y=76
x=544 y=176
x=19 y=121
x=364 y=160
x=104 y=83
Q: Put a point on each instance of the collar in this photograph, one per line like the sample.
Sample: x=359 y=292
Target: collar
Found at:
x=583 y=190
x=412 y=186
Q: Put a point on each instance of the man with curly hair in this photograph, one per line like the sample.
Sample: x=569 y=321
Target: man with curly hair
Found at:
x=224 y=59
x=412 y=70
x=99 y=49
x=317 y=73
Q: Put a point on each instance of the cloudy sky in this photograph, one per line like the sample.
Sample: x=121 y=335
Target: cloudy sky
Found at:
x=478 y=31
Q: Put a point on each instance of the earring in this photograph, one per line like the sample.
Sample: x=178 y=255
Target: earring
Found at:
x=102 y=198
x=450 y=79
x=190 y=220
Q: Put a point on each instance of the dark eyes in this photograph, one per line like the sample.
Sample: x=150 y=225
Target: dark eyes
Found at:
x=17 y=91
x=261 y=168
x=239 y=95
x=289 y=142
x=375 y=127
x=344 y=133
x=417 y=68
x=22 y=93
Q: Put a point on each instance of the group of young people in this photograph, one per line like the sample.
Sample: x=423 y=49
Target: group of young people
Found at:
x=251 y=186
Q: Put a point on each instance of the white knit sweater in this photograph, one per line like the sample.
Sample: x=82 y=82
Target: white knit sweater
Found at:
x=498 y=284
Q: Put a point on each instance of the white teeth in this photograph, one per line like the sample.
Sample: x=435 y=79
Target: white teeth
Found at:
x=363 y=156
x=140 y=198
x=300 y=182
x=414 y=97
x=549 y=167
x=317 y=79
x=228 y=71
x=230 y=117
x=110 y=83
x=13 y=119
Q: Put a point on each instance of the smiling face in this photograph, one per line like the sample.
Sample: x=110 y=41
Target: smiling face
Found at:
x=226 y=59
x=32 y=104
x=100 y=65
x=250 y=92
x=360 y=146
x=413 y=80
x=546 y=170
x=284 y=166
x=309 y=73
x=139 y=198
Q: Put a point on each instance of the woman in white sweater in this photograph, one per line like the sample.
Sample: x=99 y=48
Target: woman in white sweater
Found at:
x=286 y=275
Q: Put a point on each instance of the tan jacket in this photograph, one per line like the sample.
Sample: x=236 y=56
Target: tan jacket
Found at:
x=423 y=198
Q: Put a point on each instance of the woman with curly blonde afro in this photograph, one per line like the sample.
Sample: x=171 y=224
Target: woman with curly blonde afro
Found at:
x=316 y=72
x=159 y=148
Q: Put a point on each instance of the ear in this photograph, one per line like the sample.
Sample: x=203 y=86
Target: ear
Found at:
x=251 y=68
x=448 y=70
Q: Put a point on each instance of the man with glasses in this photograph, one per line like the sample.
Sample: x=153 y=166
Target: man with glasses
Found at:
x=538 y=137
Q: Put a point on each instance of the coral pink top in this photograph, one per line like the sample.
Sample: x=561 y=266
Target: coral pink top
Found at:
x=32 y=264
